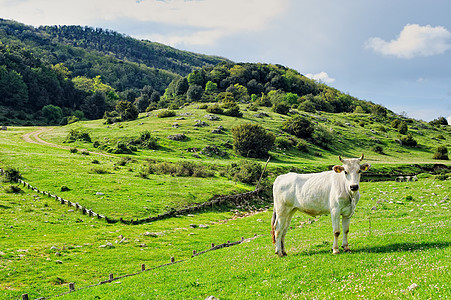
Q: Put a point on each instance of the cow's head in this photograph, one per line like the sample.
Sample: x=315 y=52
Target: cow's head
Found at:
x=352 y=169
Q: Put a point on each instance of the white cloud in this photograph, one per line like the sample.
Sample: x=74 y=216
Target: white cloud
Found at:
x=322 y=77
x=207 y=20
x=414 y=41
x=449 y=120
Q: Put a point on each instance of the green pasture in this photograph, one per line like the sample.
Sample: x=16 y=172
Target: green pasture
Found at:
x=407 y=243
x=399 y=234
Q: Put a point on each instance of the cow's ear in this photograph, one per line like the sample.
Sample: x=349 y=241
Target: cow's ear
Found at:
x=338 y=169
x=365 y=167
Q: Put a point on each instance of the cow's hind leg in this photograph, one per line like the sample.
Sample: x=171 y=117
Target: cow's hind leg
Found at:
x=345 y=245
x=281 y=224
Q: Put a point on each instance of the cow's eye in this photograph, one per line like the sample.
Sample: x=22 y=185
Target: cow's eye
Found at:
x=346 y=172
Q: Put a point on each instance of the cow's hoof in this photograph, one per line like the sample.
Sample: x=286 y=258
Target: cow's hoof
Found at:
x=346 y=249
x=281 y=254
x=335 y=251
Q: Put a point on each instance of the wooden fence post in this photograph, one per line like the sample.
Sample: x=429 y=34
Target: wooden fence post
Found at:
x=71 y=286
x=194 y=252
x=143 y=267
x=172 y=259
x=25 y=297
x=111 y=277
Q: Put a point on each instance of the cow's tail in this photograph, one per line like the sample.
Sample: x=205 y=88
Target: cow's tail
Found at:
x=273 y=221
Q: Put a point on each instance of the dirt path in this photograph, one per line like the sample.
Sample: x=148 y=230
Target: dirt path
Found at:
x=34 y=138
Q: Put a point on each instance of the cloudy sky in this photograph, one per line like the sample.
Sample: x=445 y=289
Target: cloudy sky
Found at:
x=394 y=53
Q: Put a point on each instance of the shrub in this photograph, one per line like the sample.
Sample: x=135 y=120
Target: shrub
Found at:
x=166 y=113
x=402 y=128
x=78 y=134
x=11 y=174
x=441 y=153
x=378 y=149
x=64 y=188
x=298 y=126
x=322 y=137
x=252 y=140
x=13 y=189
x=281 y=108
x=283 y=143
x=98 y=171
x=146 y=140
x=73 y=150
x=95 y=162
x=395 y=123
x=127 y=110
x=302 y=146
x=408 y=141
x=181 y=168
x=215 y=109
x=245 y=171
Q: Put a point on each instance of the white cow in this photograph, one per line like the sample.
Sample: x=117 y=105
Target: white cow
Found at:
x=335 y=192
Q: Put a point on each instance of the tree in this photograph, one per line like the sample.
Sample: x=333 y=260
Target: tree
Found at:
x=194 y=92
x=252 y=140
x=13 y=90
x=211 y=87
x=52 y=113
x=127 y=111
x=94 y=105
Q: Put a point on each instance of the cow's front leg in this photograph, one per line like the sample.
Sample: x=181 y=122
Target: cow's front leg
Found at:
x=345 y=245
x=336 y=229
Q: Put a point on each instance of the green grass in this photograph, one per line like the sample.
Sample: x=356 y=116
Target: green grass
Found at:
x=407 y=243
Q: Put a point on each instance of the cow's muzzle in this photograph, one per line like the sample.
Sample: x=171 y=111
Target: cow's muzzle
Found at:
x=354 y=187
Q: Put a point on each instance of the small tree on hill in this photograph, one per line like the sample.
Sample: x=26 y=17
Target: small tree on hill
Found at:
x=252 y=140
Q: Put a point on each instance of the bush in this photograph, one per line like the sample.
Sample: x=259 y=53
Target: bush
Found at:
x=166 y=113
x=281 y=108
x=378 y=149
x=215 y=109
x=11 y=174
x=78 y=134
x=302 y=146
x=146 y=140
x=245 y=171
x=13 y=189
x=181 y=168
x=408 y=141
x=298 y=126
x=252 y=140
x=283 y=143
x=73 y=150
x=98 y=171
x=403 y=128
x=441 y=153
x=322 y=137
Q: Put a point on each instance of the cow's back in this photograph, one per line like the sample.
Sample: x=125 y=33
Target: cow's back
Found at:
x=287 y=186
x=308 y=193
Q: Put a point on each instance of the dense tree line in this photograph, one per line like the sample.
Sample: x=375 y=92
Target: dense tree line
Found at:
x=264 y=85
x=122 y=62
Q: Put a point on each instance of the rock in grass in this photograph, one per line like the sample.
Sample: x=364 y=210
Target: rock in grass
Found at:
x=412 y=286
x=211 y=298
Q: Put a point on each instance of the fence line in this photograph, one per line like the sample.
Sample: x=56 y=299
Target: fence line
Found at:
x=111 y=277
x=238 y=199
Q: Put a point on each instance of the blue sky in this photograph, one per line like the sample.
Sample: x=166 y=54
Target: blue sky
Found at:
x=394 y=53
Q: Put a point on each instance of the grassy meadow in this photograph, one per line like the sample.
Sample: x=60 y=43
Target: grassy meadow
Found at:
x=399 y=233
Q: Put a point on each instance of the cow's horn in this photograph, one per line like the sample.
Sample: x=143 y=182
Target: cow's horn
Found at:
x=341 y=159
x=362 y=157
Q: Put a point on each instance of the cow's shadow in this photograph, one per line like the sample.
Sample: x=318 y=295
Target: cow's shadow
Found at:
x=396 y=247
